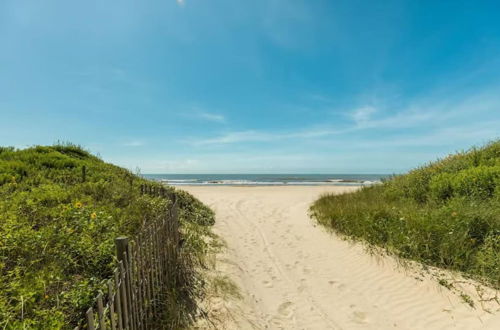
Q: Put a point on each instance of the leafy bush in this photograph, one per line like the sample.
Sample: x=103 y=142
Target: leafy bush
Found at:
x=57 y=234
x=476 y=182
x=445 y=214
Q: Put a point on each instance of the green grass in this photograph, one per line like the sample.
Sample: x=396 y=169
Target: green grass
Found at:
x=57 y=235
x=444 y=214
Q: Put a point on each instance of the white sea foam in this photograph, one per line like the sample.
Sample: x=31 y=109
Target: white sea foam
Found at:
x=266 y=183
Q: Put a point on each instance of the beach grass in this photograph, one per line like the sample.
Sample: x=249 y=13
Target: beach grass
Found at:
x=58 y=223
x=444 y=214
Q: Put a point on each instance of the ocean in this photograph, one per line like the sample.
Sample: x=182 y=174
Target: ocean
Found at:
x=268 y=179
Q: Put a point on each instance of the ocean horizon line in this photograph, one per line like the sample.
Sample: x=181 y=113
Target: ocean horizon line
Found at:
x=295 y=179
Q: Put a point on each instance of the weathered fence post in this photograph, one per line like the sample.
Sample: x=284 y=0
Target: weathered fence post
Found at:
x=90 y=319
x=111 y=299
x=119 y=303
x=124 y=297
x=121 y=253
x=100 y=312
x=121 y=247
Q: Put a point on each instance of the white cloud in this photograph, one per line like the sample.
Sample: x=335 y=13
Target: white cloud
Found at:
x=424 y=115
x=363 y=115
x=134 y=143
x=212 y=117
x=260 y=136
x=181 y=3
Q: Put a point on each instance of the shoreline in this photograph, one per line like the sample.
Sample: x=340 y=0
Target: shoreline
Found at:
x=267 y=185
x=267 y=179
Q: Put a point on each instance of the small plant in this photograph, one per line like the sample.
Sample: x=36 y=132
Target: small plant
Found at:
x=467 y=299
x=445 y=283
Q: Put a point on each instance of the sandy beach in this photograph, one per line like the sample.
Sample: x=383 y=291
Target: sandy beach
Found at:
x=292 y=274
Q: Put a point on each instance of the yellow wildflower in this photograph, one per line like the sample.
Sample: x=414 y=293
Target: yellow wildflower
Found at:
x=93 y=215
x=78 y=205
x=46 y=296
x=454 y=214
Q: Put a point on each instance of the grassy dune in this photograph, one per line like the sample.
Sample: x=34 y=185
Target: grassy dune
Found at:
x=57 y=235
x=445 y=214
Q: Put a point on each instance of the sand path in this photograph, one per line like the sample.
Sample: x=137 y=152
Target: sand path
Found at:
x=294 y=275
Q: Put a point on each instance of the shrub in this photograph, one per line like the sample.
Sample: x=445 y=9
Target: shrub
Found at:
x=441 y=186
x=57 y=235
x=476 y=182
x=445 y=214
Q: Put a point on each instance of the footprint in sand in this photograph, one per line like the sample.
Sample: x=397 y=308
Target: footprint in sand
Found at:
x=336 y=284
x=267 y=284
x=359 y=317
x=285 y=309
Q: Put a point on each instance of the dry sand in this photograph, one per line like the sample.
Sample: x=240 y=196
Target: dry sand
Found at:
x=293 y=274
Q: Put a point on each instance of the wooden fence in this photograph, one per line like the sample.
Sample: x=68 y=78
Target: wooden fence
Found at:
x=136 y=292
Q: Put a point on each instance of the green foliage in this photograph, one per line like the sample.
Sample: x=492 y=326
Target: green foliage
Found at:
x=57 y=234
x=445 y=214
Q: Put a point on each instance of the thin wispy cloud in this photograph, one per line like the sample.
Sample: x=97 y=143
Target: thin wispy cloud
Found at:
x=181 y=3
x=217 y=118
x=233 y=137
x=426 y=116
x=363 y=115
x=134 y=143
x=261 y=136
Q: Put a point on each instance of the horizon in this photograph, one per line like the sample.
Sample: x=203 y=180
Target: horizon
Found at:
x=264 y=87
x=290 y=173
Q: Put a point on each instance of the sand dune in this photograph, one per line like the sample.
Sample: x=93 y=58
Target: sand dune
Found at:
x=294 y=275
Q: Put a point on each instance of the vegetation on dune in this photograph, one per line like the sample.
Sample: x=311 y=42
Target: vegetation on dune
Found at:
x=445 y=214
x=57 y=232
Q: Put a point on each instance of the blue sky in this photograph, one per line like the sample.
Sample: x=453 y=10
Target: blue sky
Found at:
x=261 y=86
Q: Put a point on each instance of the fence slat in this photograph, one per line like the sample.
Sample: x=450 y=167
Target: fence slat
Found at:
x=100 y=312
x=132 y=285
x=124 y=296
x=119 y=307
x=111 y=299
x=90 y=319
